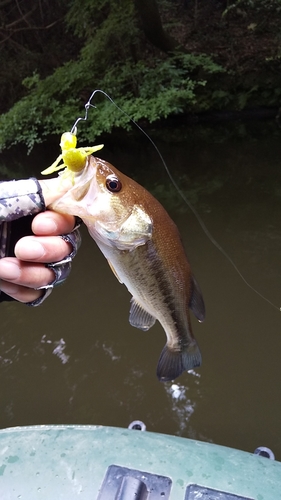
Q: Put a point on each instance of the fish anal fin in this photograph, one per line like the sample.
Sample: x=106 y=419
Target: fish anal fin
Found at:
x=196 y=303
x=114 y=271
x=172 y=364
x=139 y=317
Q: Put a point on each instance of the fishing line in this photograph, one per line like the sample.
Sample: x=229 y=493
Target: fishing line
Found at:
x=190 y=206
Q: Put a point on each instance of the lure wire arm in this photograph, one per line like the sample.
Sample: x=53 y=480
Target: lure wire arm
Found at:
x=85 y=117
x=90 y=105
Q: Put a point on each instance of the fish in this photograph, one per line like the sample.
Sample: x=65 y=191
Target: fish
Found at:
x=144 y=250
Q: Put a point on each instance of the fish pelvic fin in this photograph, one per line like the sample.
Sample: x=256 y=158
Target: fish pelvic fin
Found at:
x=139 y=317
x=172 y=364
x=196 y=303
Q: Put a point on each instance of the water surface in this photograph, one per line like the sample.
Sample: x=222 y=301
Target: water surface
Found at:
x=76 y=359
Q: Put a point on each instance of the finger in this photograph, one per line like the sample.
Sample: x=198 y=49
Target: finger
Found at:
x=53 y=189
x=52 y=224
x=25 y=274
x=42 y=249
x=20 y=293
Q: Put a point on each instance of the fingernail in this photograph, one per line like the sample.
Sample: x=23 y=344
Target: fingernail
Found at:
x=48 y=225
x=29 y=250
x=36 y=250
x=9 y=270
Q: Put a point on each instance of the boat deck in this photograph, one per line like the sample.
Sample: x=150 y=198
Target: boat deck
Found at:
x=106 y=463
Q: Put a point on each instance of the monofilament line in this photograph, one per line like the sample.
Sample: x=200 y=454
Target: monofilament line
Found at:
x=190 y=206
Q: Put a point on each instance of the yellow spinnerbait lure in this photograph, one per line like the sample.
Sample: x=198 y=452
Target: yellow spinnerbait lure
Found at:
x=71 y=158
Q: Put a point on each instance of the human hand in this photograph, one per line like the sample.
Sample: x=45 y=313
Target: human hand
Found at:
x=20 y=275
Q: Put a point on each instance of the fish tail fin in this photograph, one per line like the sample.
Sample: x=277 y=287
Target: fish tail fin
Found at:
x=172 y=364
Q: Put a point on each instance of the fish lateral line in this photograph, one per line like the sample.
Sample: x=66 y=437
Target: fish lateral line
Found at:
x=73 y=131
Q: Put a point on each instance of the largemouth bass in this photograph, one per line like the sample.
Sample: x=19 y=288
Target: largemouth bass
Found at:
x=144 y=250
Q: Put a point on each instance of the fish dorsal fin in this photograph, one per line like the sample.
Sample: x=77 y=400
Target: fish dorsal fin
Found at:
x=196 y=302
x=114 y=271
x=139 y=317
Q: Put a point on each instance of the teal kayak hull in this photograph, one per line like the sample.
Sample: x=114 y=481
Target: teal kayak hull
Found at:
x=75 y=462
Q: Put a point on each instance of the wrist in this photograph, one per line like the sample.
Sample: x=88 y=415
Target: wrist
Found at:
x=19 y=198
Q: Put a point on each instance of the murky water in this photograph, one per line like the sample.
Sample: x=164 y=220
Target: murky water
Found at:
x=77 y=360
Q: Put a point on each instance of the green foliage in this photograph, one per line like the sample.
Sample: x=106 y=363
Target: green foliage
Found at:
x=145 y=88
x=104 y=47
x=257 y=5
x=31 y=33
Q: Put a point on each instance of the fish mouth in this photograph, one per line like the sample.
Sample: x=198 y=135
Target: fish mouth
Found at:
x=79 y=199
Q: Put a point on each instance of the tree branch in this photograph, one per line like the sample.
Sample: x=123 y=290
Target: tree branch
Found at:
x=152 y=26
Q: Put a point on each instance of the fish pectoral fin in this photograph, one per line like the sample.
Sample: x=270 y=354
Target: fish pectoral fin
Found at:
x=114 y=271
x=172 y=363
x=196 y=303
x=139 y=317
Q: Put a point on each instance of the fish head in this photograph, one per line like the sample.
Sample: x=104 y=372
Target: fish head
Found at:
x=109 y=203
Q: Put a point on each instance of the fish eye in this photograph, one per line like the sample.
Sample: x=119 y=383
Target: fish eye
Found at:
x=113 y=184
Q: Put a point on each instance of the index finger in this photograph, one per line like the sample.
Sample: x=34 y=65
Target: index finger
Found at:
x=51 y=223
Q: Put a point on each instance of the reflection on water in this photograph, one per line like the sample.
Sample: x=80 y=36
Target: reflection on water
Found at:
x=77 y=360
